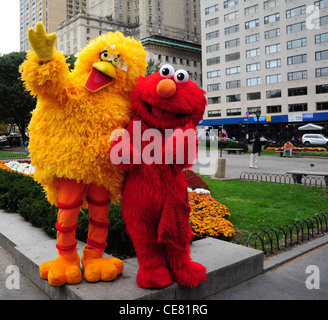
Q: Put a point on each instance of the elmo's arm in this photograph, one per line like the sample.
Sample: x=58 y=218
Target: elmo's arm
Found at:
x=180 y=149
x=45 y=71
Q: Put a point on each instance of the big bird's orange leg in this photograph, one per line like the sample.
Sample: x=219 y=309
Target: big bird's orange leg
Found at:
x=95 y=266
x=66 y=268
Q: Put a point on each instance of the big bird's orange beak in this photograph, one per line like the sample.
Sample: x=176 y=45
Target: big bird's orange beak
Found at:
x=103 y=74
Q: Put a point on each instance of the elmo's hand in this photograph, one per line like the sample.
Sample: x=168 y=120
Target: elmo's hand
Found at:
x=42 y=44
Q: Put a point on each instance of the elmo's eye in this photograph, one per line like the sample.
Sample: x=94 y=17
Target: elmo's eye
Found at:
x=167 y=71
x=181 y=76
x=104 y=55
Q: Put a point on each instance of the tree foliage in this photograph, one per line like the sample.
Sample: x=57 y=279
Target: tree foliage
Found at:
x=16 y=104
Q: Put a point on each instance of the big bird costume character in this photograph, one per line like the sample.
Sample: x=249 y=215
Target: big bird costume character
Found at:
x=155 y=203
x=70 y=140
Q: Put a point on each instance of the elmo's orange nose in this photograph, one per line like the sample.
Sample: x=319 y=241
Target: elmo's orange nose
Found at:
x=166 y=88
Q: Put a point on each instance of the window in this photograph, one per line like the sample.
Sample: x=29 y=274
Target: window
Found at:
x=213 y=48
x=295 y=12
x=321 y=4
x=252 y=24
x=214 y=100
x=212 y=35
x=272 y=48
x=253 y=96
x=232 y=43
x=302 y=58
x=322 y=106
x=253 y=81
x=233 y=84
x=274 y=78
x=212 y=22
x=231 y=16
x=272 y=33
x=297 y=75
x=252 y=53
x=323 y=88
x=212 y=9
x=232 y=29
x=252 y=38
x=213 y=87
x=302 y=91
x=213 y=61
x=271 y=94
x=321 y=55
x=252 y=110
x=320 y=38
x=276 y=63
x=296 y=43
x=321 y=72
x=230 y=3
x=270 y=4
x=214 y=113
x=232 y=70
x=253 y=67
x=233 y=98
x=297 y=27
x=297 y=107
x=213 y=74
x=234 y=112
x=272 y=18
x=232 y=56
x=274 y=109
x=251 y=9
x=321 y=22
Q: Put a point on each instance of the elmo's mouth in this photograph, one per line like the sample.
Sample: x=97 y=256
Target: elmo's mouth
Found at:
x=97 y=80
x=161 y=113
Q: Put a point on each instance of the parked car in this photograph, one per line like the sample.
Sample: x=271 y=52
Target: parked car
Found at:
x=3 y=141
x=264 y=141
x=312 y=138
x=14 y=139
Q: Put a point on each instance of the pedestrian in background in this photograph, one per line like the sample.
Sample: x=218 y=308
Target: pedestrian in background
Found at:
x=257 y=148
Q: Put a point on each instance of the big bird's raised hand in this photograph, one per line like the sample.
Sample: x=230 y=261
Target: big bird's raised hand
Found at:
x=42 y=44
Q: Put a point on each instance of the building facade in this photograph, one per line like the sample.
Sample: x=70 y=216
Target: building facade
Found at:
x=49 y=12
x=170 y=30
x=265 y=65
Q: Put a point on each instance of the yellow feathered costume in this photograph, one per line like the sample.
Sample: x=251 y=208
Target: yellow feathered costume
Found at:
x=70 y=136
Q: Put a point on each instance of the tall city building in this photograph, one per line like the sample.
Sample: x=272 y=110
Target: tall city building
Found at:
x=265 y=65
x=169 y=29
x=50 y=12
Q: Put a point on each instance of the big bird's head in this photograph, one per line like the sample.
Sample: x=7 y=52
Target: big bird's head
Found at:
x=111 y=62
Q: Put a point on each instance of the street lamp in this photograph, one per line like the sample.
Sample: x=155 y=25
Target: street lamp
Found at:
x=258 y=114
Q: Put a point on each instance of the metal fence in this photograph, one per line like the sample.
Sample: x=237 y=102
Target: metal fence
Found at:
x=272 y=240
x=283 y=178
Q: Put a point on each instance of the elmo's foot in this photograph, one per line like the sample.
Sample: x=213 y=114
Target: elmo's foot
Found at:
x=154 y=278
x=190 y=274
x=63 y=270
x=97 y=268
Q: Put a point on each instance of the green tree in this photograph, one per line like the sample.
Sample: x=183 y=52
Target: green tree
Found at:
x=152 y=67
x=16 y=104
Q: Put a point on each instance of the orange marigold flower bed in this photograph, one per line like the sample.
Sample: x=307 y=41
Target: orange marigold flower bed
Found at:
x=209 y=218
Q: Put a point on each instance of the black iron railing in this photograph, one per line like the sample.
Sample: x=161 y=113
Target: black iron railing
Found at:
x=283 y=178
x=272 y=240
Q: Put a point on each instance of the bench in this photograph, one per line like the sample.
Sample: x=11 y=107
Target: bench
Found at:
x=234 y=150
x=298 y=174
x=295 y=152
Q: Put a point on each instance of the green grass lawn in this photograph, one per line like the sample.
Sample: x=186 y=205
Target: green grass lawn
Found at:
x=4 y=155
x=257 y=206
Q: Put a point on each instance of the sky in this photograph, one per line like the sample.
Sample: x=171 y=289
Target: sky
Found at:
x=9 y=26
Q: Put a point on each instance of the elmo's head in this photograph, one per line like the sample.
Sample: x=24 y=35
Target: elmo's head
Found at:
x=111 y=62
x=169 y=99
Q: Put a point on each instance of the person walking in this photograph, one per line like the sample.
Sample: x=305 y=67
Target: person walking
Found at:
x=256 y=151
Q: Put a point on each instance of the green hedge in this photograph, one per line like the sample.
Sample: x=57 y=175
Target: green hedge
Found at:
x=21 y=194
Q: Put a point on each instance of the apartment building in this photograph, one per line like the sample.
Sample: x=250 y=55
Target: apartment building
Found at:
x=265 y=65
x=49 y=12
x=170 y=30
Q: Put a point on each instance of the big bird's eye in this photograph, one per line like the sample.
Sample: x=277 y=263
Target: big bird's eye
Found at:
x=104 y=55
x=167 y=71
x=181 y=76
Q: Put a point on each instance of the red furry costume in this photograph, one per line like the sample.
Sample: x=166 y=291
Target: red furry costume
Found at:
x=155 y=197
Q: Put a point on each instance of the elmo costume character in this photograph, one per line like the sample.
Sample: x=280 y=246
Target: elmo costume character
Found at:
x=155 y=198
x=70 y=140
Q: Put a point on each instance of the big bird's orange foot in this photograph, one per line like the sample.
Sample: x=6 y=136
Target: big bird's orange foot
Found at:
x=63 y=270
x=97 y=268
